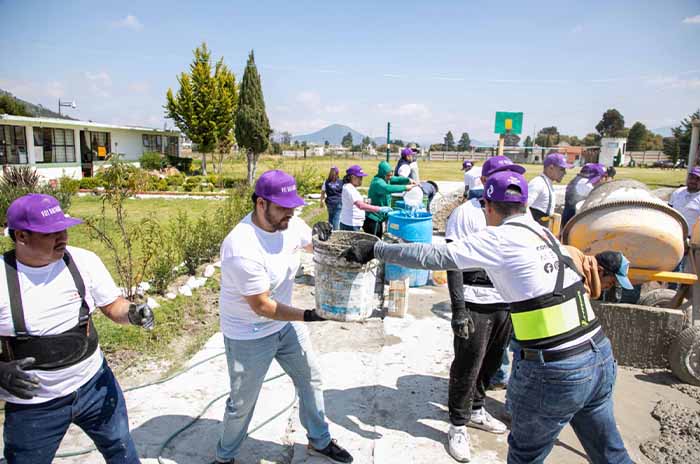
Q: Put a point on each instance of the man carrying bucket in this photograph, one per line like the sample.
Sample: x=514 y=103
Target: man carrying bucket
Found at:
x=259 y=259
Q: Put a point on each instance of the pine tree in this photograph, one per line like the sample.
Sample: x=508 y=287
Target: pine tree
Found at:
x=464 y=142
x=636 y=139
x=449 y=141
x=252 y=126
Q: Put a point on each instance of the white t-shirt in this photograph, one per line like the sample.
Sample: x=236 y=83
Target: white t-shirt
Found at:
x=351 y=215
x=468 y=219
x=51 y=306
x=539 y=192
x=254 y=261
x=688 y=204
x=472 y=178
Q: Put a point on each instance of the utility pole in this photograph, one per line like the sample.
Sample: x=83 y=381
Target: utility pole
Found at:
x=388 y=141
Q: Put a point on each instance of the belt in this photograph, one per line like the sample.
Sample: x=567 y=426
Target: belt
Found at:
x=557 y=355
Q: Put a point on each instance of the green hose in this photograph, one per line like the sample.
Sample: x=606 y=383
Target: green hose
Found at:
x=69 y=454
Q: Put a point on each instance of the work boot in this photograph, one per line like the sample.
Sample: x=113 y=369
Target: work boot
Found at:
x=481 y=419
x=458 y=443
x=333 y=452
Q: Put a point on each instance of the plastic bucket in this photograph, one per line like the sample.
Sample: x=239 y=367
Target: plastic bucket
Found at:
x=344 y=290
x=412 y=227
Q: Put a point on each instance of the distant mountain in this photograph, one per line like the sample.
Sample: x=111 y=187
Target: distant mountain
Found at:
x=663 y=131
x=37 y=111
x=333 y=133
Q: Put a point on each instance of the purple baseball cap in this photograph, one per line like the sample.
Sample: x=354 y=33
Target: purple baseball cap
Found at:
x=280 y=188
x=466 y=164
x=40 y=213
x=406 y=152
x=593 y=172
x=497 y=185
x=356 y=170
x=500 y=163
x=334 y=168
x=558 y=160
x=695 y=171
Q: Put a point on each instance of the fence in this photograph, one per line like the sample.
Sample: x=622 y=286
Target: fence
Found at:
x=647 y=157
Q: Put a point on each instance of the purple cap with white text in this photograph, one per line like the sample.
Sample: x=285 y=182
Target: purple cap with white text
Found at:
x=506 y=187
x=356 y=170
x=593 y=172
x=558 y=160
x=279 y=188
x=500 y=163
x=40 y=213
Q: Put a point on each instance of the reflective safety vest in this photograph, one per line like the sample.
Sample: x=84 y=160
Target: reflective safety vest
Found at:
x=550 y=320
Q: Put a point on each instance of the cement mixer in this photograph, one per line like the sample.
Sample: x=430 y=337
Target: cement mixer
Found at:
x=625 y=216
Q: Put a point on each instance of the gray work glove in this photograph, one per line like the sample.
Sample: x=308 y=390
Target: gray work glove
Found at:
x=310 y=315
x=16 y=380
x=141 y=315
x=361 y=252
x=322 y=230
x=462 y=323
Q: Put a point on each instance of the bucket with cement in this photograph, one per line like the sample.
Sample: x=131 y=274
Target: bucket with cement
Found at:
x=344 y=290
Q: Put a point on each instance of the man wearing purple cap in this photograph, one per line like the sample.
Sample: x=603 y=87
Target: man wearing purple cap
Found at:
x=259 y=260
x=566 y=371
x=481 y=326
x=541 y=197
x=52 y=371
x=473 y=186
x=591 y=175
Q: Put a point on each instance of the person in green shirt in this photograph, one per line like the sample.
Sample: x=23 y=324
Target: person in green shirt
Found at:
x=380 y=189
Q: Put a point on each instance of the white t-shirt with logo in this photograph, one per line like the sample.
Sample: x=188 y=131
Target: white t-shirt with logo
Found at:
x=351 y=215
x=254 y=261
x=51 y=306
x=688 y=204
x=472 y=178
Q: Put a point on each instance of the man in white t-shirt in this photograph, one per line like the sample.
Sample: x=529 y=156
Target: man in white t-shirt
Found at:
x=259 y=260
x=541 y=197
x=686 y=200
x=473 y=187
x=52 y=371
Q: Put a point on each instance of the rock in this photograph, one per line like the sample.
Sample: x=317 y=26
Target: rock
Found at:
x=217 y=264
x=185 y=290
x=209 y=271
x=314 y=196
x=152 y=303
x=170 y=295
x=195 y=282
x=142 y=288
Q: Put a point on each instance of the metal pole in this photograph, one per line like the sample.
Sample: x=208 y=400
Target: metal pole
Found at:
x=388 y=140
x=59 y=107
x=694 y=140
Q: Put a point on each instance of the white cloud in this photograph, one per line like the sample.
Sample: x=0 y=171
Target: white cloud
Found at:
x=310 y=100
x=99 y=83
x=128 y=22
x=692 y=20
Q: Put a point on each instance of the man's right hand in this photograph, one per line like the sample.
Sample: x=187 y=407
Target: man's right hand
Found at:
x=16 y=380
x=360 y=252
x=462 y=323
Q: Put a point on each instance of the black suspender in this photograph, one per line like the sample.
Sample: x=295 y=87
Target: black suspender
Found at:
x=84 y=314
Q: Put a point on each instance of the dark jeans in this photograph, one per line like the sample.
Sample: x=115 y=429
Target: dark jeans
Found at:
x=373 y=227
x=476 y=360
x=334 y=215
x=568 y=213
x=545 y=396
x=33 y=432
x=349 y=228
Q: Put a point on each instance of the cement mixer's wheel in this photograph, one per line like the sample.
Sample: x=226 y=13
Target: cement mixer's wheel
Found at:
x=684 y=356
x=661 y=298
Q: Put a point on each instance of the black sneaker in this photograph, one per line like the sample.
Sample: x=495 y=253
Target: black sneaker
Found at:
x=333 y=452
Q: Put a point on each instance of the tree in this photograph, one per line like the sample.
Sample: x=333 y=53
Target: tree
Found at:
x=226 y=100
x=252 y=125
x=286 y=138
x=464 y=142
x=671 y=148
x=10 y=105
x=682 y=135
x=591 y=140
x=366 y=141
x=449 y=141
x=347 y=140
x=636 y=140
x=511 y=140
x=326 y=144
x=547 y=137
x=653 y=142
x=612 y=124
x=527 y=143
x=195 y=107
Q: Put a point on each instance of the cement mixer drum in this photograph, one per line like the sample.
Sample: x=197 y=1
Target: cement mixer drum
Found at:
x=625 y=216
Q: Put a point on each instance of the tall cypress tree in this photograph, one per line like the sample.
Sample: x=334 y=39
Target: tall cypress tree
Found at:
x=252 y=126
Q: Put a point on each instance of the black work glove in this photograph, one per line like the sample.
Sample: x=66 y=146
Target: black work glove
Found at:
x=310 y=315
x=322 y=230
x=15 y=380
x=361 y=252
x=141 y=315
x=462 y=323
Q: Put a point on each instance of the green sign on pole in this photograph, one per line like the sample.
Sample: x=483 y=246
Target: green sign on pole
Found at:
x=508 y=123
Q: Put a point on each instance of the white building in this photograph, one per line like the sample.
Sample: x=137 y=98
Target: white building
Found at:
x=65 y=147
x=610 y=147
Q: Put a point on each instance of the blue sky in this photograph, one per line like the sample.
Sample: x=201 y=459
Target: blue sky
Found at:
x=427 y=67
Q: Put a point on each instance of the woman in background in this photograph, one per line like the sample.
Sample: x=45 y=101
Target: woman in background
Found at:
x=352 y=213
x=331 y=195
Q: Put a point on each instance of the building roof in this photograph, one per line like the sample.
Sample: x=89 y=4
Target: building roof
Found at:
x=81 y=124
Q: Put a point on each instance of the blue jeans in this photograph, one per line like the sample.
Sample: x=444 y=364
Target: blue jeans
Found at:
x=476 y=193
x=349 y=228
x=334 y=215
x=248 y=362
x=546 y=396
x=33 y=432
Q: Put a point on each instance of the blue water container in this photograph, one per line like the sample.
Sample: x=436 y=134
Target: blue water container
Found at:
x=414 y=227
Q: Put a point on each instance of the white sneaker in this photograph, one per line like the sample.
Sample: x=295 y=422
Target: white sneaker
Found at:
x=458 y=443
x=481 y=419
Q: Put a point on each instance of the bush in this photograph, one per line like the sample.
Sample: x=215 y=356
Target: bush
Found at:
x=182 y=164
x=309 y=179
x=91 y=183
x=162 y=185
x=230 y=182
x=19 y=181
x=151 y=160
x=68 y=185
x=176 y=180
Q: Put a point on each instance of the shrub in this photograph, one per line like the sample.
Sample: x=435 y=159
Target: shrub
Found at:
x=182 y=164
x=309 y=179
x=162 y=271
x=229 y=182
x=69 y=185
x=151 y=160
x=90 y=183
x=176 y=180
x=162 y=185
x=19 y=181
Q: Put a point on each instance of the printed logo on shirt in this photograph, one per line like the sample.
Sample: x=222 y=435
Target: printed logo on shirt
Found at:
x=548 y=268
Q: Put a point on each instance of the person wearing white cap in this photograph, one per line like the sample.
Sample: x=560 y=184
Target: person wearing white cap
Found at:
x=541 y=197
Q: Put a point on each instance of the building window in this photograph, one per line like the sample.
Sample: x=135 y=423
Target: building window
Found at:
x=13 y=145
x=171 y=147
x=54 y=145
x=152 y=143
x=100 y=144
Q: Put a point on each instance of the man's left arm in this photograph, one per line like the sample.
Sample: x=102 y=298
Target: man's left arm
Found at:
x=123 y=311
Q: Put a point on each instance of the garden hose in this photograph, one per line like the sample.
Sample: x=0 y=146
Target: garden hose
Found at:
x=69 y=454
